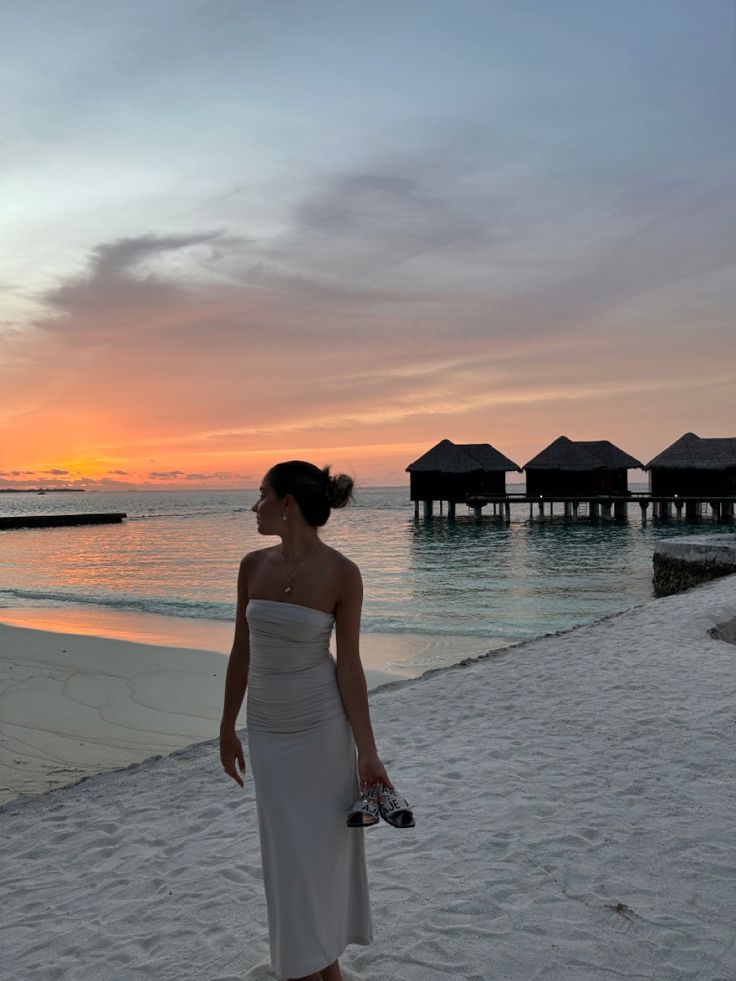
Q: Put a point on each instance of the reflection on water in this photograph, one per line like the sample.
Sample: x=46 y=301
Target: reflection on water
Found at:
x=530 y=577
x=178 y=554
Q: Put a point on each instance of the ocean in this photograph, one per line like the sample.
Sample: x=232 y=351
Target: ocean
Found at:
x=452 y=587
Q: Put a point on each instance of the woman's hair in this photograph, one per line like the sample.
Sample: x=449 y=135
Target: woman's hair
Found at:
x=314 y=490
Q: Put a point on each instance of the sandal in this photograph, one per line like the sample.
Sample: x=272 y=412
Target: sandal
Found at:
x=394 y=809
x=364 y=811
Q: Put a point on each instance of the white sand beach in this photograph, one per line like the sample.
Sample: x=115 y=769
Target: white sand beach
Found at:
x=575 y=804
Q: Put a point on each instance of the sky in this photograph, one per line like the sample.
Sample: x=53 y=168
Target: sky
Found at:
x=240 y=232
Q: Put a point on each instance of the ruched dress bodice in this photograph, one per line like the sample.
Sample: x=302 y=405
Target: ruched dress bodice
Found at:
x=292 y=684
x=303 y=762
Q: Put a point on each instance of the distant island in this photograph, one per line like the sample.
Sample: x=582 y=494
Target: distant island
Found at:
x=42 y=490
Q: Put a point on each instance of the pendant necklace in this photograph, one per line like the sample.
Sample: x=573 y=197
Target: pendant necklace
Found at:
x=289 y=578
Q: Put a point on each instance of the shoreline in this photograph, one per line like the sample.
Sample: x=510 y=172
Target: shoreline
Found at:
x=74 y=705
x=83 y=691
x=573 y=809
x=113 y=688
x=382 y=651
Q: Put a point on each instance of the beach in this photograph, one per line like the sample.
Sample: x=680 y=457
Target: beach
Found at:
x=81 y=700
x=417 y=316
x=574 y=798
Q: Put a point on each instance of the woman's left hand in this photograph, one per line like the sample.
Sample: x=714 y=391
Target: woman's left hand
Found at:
x=372 y=771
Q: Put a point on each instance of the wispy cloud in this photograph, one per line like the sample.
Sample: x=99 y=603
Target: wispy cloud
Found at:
x=527 y=226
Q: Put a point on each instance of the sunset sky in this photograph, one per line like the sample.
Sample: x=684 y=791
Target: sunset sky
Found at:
x=237 y=232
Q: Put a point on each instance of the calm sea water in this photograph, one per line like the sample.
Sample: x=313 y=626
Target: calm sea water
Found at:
x=178 y=554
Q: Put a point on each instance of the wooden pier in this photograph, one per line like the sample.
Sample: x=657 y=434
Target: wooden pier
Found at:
x=605 y=507
x=58 y=520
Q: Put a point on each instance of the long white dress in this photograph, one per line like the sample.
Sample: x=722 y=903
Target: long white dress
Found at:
x=303 y=764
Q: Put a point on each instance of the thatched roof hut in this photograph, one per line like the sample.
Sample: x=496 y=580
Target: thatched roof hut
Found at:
x=454 y=471
x=576 y=468
x=694 y=466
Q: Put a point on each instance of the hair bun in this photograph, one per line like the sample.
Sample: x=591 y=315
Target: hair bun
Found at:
x=339 y=488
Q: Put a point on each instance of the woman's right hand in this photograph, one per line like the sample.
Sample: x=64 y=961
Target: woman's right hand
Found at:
x=371 y=771
x=231 y=753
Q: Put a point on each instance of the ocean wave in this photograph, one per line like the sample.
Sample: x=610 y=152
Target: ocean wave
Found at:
x=167 y=607
x=202 y=610
x=178 y=514
x=380 y=625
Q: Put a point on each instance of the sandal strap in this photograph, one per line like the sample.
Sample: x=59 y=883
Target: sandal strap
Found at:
x=367 y=803
x=392 y=801
x=363 y=807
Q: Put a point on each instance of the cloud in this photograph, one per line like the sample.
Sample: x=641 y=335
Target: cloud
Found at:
x=521 y=215
x=115 y=293
x=219 y=475
x=205 y=475
x=399 y=211
x=56 y=473
x=405 y=251
x=392 y=302
x=110 y=260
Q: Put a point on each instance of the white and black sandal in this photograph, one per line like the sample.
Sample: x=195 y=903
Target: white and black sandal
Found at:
x=394 y=809
x=364 y=811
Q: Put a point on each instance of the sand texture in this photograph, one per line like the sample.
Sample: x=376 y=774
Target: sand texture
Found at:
x=575 y=802
x=72 y=705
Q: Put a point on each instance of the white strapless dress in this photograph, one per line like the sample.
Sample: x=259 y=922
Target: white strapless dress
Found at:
x=303 y=764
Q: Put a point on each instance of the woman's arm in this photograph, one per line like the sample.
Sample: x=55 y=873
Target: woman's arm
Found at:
x=351 y=677
x=236 y=681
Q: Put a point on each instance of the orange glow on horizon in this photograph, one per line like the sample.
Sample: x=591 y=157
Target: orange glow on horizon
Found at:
x=348 y=287
x=141 y=438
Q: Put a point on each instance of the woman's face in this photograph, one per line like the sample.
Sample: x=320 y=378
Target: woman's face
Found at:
x=269 y=510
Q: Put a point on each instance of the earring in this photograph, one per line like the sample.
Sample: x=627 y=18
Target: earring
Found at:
x=284 y=517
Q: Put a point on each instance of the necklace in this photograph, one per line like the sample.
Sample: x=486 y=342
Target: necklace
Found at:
x=289 y=577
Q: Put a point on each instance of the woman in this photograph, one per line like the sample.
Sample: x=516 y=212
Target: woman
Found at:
x=306 y=715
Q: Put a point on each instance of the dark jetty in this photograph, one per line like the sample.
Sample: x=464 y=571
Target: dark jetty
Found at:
x=56 y=520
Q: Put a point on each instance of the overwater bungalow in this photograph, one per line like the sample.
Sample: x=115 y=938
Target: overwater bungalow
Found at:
x=453 y=472
x=579 y=468
x=694 y=466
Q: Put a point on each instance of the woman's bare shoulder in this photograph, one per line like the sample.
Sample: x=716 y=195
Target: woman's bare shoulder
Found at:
x=251 y=559
x=342 y=565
